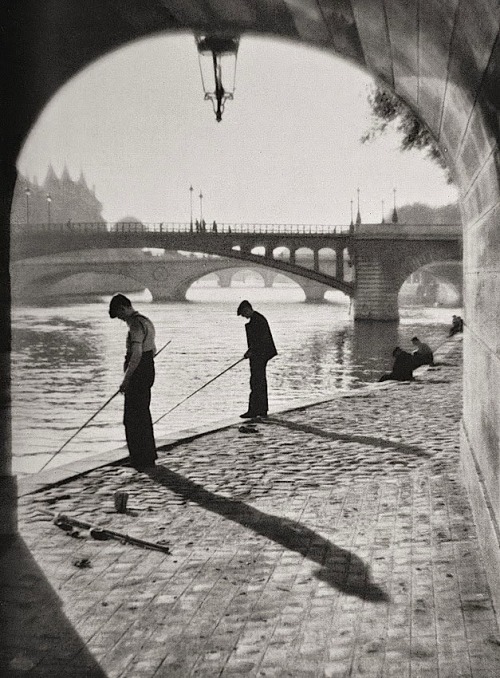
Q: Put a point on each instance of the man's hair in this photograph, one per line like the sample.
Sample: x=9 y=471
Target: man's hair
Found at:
x=396 y=350
x=244 y=304
x=415 y=339
x=118 y=301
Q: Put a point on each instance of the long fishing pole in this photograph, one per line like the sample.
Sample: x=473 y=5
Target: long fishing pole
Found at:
x=92 y=417
x=199 y=389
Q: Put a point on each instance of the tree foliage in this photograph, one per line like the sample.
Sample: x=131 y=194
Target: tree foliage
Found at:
x=388 y=109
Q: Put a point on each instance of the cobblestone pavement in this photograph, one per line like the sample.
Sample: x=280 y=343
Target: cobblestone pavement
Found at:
x=332 y=541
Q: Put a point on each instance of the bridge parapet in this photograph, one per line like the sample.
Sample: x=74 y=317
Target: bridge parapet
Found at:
x=358 y=231
x=184 y=227
x=408 y=231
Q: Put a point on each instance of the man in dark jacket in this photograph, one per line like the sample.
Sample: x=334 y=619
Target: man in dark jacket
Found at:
x=402 y=369
x=422 y=355
x=261 y=349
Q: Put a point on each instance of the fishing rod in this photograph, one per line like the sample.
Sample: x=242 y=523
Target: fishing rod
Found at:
x=92 y=417
x=199 y=389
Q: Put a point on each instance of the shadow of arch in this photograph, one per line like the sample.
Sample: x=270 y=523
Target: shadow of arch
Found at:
x=37 y=638
x=338 y=567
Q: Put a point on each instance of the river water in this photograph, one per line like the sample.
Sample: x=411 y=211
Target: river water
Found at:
x=67 y=362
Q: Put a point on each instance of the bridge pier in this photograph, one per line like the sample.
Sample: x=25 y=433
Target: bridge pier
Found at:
x=225 y=277
x=377 y=288
x=167 y=293
x=315 y=292
x=268 y=276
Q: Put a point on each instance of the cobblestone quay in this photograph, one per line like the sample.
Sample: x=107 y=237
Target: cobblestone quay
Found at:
x=336 y=540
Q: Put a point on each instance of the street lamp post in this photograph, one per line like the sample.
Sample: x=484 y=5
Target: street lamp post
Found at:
x=28 y=193
x=49 y=200
x=394 y=212
x=217 y=53
x=191 y=209
x=201 y=207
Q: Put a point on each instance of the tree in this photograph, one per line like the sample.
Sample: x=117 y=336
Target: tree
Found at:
x=387 y=108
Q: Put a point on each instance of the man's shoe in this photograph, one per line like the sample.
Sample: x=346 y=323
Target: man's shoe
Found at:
x=247 y=415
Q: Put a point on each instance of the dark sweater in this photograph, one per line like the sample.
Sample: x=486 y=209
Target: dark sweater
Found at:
x=259 y=337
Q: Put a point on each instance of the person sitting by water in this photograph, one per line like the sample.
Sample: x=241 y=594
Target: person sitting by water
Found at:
x=402 y=369
x=457 y=325
x=422 y=355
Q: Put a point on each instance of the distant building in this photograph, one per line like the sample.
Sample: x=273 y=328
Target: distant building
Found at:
x=69 y=200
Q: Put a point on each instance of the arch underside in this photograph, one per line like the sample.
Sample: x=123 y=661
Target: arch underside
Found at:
x=441 y=57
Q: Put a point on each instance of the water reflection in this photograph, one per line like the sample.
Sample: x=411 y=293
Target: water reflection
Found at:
x=67 y=361
x=372 y=346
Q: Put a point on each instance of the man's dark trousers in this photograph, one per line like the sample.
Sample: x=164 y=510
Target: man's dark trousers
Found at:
x=257 y=404
x=137 y=417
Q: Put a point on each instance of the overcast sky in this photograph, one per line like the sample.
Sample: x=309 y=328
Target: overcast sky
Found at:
x=286 y=151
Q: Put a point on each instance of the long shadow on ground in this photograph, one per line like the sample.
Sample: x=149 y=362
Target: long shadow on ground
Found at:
x=339 y=568
x=36 y=638
x=363 y=440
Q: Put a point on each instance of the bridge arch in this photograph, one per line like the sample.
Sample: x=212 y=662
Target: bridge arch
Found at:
x=437 y=284
x=443 y=59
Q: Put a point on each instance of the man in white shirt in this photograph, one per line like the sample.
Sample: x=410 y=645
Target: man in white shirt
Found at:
x=137 y=381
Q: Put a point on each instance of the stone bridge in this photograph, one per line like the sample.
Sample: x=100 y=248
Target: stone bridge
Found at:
x=167 y=276
x=442 y=57
x=382 y=255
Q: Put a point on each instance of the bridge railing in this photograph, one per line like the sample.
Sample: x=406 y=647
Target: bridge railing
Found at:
x=182 y=227
x=224 y=228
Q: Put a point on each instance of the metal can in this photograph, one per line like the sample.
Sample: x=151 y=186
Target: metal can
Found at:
x=121 y=499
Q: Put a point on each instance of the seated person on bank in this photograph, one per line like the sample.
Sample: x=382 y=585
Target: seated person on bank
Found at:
x=402 y=369
x=422 y=355
x=457 y=325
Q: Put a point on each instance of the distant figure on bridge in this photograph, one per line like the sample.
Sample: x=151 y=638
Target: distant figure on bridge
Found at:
x=402 y=369
x=261 y=349
x=197 y=226
x=457 y=325
x=214 y=227
x=422 y=355
x=137 y=382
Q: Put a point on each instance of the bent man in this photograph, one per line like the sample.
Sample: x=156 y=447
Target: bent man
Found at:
x=137 y=382
x=402 y=369
x=457 y=325
x=422 y=355
x=261 y=349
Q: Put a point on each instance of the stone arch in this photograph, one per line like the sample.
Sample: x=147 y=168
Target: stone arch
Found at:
x=327 y=260
x=442 y=59
x=434 y=284
x=259 y=250
x=89 y=282
x=304 y=256
x=281 y=252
